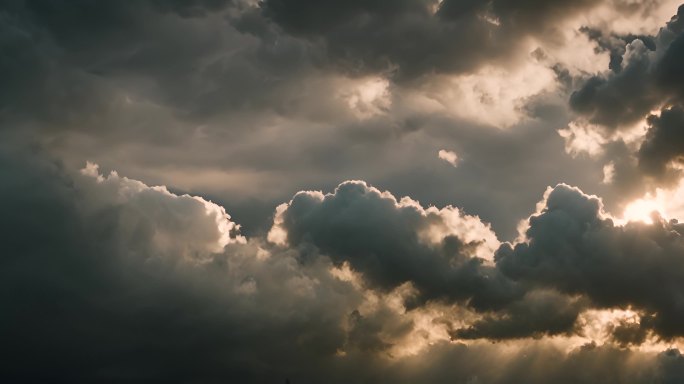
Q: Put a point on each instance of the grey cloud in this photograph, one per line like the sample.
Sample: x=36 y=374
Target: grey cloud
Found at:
x=395 y=242
x=664 y=143
x=627 y=333
x=409 y=38
x=174 y=88
x=622 y=98
x=127 y=292
x=110 y=290
x=228 y=103
x=572 y=247
x=538 y=314
x=643 y=77
x=80 y=58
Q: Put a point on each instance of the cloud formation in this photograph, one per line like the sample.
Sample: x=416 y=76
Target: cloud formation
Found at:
x=641 y=89
x=449 y=156
x=572 y=246
x=357 y=284
x=174 y=207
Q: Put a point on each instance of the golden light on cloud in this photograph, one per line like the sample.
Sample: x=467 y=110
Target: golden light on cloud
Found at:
x=368 y=97
x=491 y=96
x=449 y=156
x=328 y=192
x=643 y=210
x=667 y=202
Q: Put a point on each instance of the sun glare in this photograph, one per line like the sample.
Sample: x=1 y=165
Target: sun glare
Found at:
x=642 y=210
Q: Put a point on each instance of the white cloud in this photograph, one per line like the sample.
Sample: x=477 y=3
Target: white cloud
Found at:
x=449 y=156
x=186 y=226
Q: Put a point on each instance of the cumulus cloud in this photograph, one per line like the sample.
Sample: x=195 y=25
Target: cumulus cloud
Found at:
x=415 y=37
x=152 y=276
x=624 y=114
x=149 y=275
x=573 y=246
x=442 y=252
x=640 y=78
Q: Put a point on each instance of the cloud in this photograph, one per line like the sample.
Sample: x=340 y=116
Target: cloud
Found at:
x=218 y=99
x=663 y=143
x=149 y=275
x=641 y=78
x=414 y=37
x=219 y=110
x=441 y=252
x=625 y=112
x=449 y=156
x=142 y=278
x=538 y=314
x=571 y=245
x=187 y=223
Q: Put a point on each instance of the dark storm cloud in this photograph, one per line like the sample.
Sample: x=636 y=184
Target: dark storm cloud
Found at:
x=623 y=97
x=587 y=364
x=644 y=77
x=538 y=314
x=571 y=247
x=166 y=91
x=643 y=86
x=627 y=333
x=411 y=38
x=102 y=59
x=109 y=279
x=112 y=281
x=105 y=299
x=393 y=243
x=664 y=143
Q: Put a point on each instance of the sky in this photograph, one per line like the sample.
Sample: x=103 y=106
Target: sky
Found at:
x=342 y=191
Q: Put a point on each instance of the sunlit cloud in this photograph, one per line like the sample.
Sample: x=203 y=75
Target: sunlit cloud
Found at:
x=449 y=156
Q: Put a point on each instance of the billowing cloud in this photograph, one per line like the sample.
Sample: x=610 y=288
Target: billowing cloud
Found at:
x=174 y=207
x=572 y=246
x=641 y=78
x=442 y=252
x=155 y=276
x=625 y=116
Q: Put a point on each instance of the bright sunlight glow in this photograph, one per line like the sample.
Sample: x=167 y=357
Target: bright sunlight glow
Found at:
x=641 y=210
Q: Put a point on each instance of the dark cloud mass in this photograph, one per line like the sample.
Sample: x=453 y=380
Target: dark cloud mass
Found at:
x=173 y=203
x=643 y=77
x=570 y=246
x=393 y=242
x=415 y=37
x=186 y=311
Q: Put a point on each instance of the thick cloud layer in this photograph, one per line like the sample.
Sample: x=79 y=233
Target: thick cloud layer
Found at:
x=224 y=109
x=223 y=98
x=394 y=242
x=417 y=37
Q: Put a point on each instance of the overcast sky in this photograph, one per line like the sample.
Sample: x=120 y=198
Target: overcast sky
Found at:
x=342 y=191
